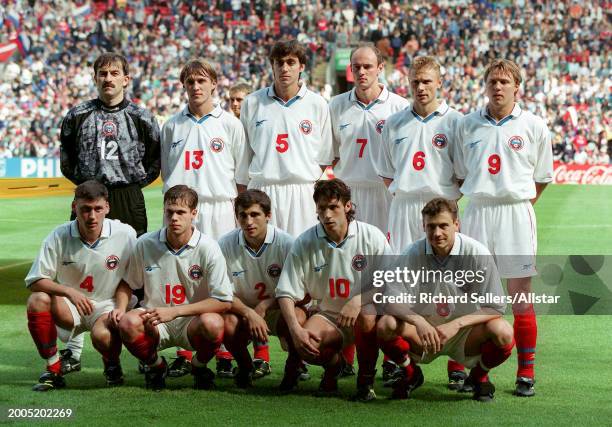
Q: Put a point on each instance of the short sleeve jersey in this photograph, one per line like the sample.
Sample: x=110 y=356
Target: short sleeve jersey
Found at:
x=191 y=274
x=418 y=153
x=330 y=272
x=209 y=155
x=255 y=274
x=357 y=133
x=95 y=270
x=503 y=160
x=289 y=140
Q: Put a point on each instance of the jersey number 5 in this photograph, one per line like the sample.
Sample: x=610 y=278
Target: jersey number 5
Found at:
x=340 y=287
x=282 y=144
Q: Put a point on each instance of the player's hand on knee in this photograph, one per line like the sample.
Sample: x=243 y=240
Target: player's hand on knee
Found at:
x=428 y=335
x=303 y=340
x=83 y=304
x=155 y=316
x=257 y=326
x=115 y=316
x=446 y=331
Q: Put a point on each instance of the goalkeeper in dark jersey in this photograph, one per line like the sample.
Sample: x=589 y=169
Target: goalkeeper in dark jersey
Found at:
x=114 y=141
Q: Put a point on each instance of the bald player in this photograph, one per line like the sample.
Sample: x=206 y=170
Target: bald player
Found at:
x=288 y=129
x=505 y=162
x=76 y=285
x=357 y=120
x=326 y=262
x=417 y=155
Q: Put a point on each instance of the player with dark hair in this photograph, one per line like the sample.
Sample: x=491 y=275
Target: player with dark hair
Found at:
x=184 y=277
x=473 y=334
x=288 y=130
x=326 y=262
x=255 y=254
x=76 y=285
x=505 y=162
x=114 y=141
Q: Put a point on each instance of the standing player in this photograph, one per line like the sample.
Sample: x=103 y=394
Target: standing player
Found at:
x=289 y=132
x=326 y=262
x=114 y=141
x=237 y=93
x=255 y=254
x=184 y=277
x=76 y=285
x=473 y=334
x=505 y=158
x=204 y=147
x=417 y=154
x=357 y=120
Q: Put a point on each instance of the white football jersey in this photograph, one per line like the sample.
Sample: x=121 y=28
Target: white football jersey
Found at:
x=255 y=274
x=328 y=272
x=418 y=153
x=503 y=160
x=94 y=270
x=209 y=155
x=356 y=130
x=193 y=273
x=289 y=140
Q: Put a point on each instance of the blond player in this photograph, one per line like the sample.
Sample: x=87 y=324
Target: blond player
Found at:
x=237 y=93
x=288 y=130
x=184 y=277
x=204 y=147
x=357 y=120
x=255 y=255
x=505 y=160
x=76 y=285
x=417 y=154
x=326 y=262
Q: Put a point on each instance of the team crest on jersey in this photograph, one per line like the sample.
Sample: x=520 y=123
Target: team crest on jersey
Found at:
x=306 y=127
x=112 y=262
x=380 y=125
x=109 y=128
x=516 y=143
x=439 y=141
x=195 y=272
x=216 y=145
x=274 y=270
x=359 y=262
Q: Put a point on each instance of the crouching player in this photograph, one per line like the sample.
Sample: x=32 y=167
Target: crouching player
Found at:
x=471 y=333
x=326 y=262
x=255 y=254
x=76 y=285
x=186 y=288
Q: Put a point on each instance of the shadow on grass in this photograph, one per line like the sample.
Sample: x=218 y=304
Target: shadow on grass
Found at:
x=12 y=275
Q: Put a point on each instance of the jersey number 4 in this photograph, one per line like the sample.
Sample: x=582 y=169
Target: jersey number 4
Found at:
x=87 y=284
x=340 y=287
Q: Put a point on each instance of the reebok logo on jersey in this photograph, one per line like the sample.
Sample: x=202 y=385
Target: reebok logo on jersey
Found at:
x=238 y=273
x=318 y=268
x=151 y=267
x=398 y=140
x=176 y=143
x=67 y=262
x=344 y=126
x=473 y=144
x=260 y=122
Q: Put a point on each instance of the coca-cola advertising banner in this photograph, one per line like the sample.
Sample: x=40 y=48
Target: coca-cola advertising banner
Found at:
x=572 y=173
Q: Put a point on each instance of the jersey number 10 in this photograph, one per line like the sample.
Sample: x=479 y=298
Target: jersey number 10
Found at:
x=340 y=287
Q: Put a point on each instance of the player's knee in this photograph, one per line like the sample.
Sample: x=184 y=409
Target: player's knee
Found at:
x=366 y=322
x=385 y=328
x=505 y=334
x=39 y=301
x=211 y=325
x=130 y=323
x=101 y=337
x=230 y=324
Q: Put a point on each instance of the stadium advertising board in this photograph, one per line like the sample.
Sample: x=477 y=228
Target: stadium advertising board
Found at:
x=30 y=167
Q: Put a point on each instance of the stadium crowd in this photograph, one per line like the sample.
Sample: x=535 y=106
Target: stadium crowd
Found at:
x=562 y=45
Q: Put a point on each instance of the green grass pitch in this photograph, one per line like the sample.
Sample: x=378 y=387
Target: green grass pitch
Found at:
x=573 y=359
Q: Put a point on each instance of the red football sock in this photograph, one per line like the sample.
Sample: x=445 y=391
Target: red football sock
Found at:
x=44 y=334
x=261 y=351
x=348 y=352
x=385 y=358
x=366 y=355
x=187 y=354
x=525 y=335
x=492 y=355
x=396 y=349
x=113 y=353
x=56 y=368
x=453 y=365
x=143 y=348
x=205 y=348
x=222 y=353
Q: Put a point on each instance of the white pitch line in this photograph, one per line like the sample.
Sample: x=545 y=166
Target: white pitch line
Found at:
x=17 y=264
x=576 y=226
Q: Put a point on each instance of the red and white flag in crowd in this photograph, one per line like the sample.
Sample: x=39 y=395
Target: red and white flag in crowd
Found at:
x=7 y=50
